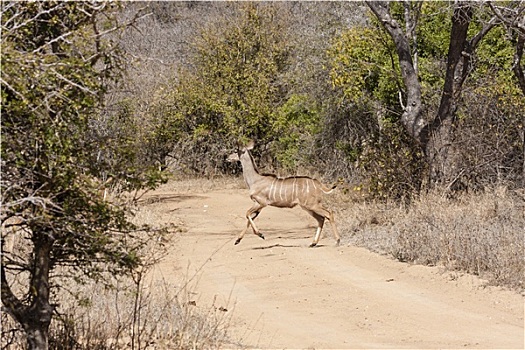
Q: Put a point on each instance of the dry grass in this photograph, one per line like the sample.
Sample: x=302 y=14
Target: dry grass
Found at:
x=152 y=317
x=482 y=234
x=132 y=316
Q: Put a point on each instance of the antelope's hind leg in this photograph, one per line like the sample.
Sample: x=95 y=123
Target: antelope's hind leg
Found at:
x=320 y=222
x=334 y=228
x=320 y=214
x=330 y=216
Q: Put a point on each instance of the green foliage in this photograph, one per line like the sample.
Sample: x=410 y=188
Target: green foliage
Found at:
x=434 y=30
x=364 y=61
x=365 y=68
x=56 y=69
x=494 y=62
x=363 y=64
x=296 y=122
x=234 y=90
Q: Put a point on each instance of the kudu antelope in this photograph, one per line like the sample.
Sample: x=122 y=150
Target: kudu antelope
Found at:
x=283 y=193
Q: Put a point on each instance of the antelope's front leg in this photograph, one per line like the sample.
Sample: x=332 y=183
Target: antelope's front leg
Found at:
x=317 y=234
x=255 y=210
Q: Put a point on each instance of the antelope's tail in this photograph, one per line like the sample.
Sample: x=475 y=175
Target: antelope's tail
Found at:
x=328 y=190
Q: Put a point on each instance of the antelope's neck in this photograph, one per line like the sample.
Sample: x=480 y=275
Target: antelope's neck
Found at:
x=249 y=169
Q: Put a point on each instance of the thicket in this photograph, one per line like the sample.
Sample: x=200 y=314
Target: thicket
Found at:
x=366 y=68
x=232 y=92
x=331 y=103
x=248 y=72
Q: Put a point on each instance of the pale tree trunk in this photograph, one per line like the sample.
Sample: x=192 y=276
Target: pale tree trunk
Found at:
x=412 y=117
x=40 y=312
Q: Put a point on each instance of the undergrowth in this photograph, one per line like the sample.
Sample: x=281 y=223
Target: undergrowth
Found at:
x=128 y=315
x=479 y=233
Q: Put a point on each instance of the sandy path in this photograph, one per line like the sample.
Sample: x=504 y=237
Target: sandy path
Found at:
x=285 y=295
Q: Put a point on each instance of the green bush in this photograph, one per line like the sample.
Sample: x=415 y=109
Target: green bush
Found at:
x=232 y=94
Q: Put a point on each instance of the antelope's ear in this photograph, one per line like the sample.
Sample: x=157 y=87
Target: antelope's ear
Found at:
x=249 y=145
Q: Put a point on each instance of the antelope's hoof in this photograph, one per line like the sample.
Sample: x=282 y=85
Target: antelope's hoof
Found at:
x=260 y=235
x=313 y=245
x=337 y=243
x=237 y=241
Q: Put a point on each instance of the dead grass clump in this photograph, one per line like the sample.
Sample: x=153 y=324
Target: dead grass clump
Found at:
x=482 y=233
x=367 y=224
x=477 y=233
x=159 y=319
x=153 y=316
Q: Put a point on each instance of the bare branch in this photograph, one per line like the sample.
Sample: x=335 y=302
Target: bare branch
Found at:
x=39 y=14
x=10 y=303
x=83 y=88
x=35 y=200
x=14 y=90
x=512 y=17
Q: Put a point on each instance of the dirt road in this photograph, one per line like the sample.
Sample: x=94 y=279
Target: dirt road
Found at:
x=283 y=294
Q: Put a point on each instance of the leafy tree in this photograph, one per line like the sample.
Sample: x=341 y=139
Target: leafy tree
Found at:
x=469 y=26
x=364 y=68
x=296 y=122
x=57 y=63
x=415 y=61
x=233 y=90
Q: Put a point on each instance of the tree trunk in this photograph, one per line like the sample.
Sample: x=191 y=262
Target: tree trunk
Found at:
x=518 y=56
x=37 y=337
x=439 y=147
x=34 y=315
x=412 y=117
x=40 y=312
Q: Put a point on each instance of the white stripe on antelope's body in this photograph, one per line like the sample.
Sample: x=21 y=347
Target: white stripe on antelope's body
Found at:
x=287 y=192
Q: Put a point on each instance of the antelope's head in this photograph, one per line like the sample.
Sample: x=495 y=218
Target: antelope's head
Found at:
x=242 y=151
